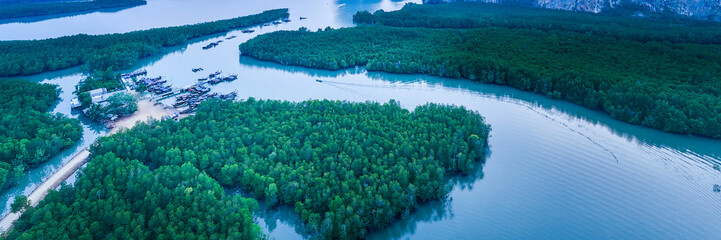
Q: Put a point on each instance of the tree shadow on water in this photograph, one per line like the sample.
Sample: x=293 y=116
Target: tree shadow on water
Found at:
x=432 y=211
x=555 y=109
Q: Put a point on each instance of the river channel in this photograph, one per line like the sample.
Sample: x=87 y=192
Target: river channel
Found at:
x=555 y=170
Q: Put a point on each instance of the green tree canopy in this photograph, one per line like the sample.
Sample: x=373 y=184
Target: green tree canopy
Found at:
x=28 y=134
x=347 y=169
x=21 y=202
x=119 y=51
x=661 y=81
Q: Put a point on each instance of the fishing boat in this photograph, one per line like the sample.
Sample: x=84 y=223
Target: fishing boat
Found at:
x=159 y=89
x=202 y=79
x=156 y=82
x=163 y=90
x=197 y=69
x=303 y=18
x=216 y=73
x=247 y=31
x=230 y=78
x=188 y=110
x=286 y=20
x=210 y=45
x=152 y=81
x=215 y=80
x=229 y=96
x=231 y=37
x=180 y=104
x=203 y=90
x=318 y=80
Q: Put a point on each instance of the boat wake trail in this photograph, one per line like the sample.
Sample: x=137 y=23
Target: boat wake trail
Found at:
x=369 y=85
x=570 y=129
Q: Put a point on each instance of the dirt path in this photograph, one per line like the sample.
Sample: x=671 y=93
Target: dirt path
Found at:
x=146 y=110
x=51 y=183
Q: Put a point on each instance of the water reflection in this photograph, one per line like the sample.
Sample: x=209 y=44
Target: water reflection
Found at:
x=602 y=164
x=548 y=107
x=557 y=170
x=434 y=211
x=347 y=8
x=163 y=13
x=280 y=222
x=262 y=65
x=64 y=15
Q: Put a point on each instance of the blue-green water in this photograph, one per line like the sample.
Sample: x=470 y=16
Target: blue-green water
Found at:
x=66 y=80
x=555 y=170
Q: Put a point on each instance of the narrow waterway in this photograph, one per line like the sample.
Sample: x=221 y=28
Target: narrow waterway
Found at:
x=66 y=81
x=555 y=170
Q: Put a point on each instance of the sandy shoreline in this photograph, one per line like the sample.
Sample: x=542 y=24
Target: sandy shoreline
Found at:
x=146 y=110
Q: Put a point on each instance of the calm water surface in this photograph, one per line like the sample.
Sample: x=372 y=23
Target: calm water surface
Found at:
x=555 y=170
x=164 y=13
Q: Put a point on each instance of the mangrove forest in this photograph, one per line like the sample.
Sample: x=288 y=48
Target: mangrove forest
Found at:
x=346 y=168
x=117 y=51
x=22 y=9
x=29 y=135
x=672 y=85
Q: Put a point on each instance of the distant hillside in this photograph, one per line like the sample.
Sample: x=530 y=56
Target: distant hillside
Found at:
x=35 y=1
x=702 y=9
x=19 y=9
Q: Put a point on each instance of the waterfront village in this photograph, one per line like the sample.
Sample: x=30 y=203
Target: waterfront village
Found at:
x=107 y=106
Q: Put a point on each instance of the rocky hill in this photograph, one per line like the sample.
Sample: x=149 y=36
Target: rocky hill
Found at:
x=702 y=9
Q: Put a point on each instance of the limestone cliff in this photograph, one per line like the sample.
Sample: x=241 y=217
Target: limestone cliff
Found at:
x=703 y=9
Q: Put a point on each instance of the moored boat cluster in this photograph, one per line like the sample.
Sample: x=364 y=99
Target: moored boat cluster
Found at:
x=156 y=85
x=188 y=98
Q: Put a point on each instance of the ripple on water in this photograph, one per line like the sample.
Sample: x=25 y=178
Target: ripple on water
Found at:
x=555 y=171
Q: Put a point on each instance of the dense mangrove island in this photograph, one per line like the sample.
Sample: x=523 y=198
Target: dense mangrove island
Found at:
x=116 y=51
x=28 y=134
x=118 y=198
x=43 y=8
x=347 y=169
x=660 y=75
x=360 y=166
